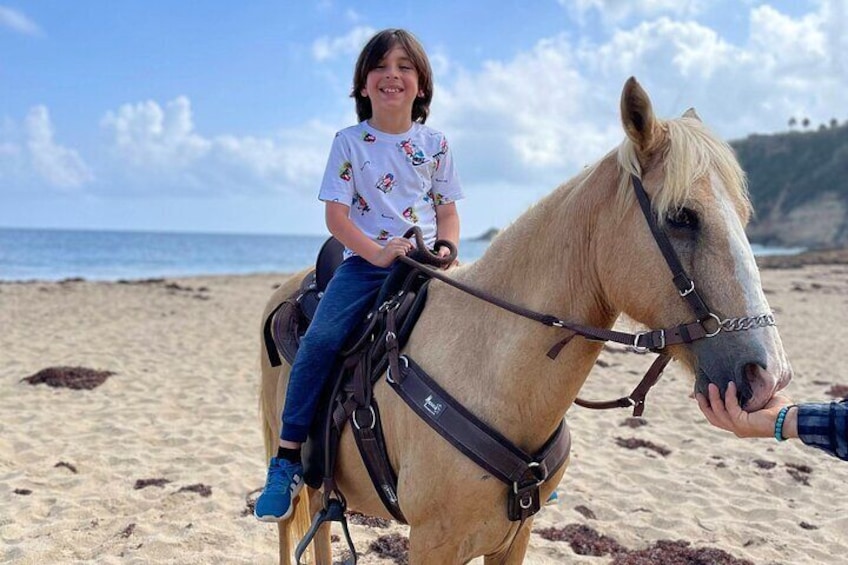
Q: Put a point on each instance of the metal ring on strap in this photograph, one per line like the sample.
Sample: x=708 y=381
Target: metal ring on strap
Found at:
x=718 y=323
x=373 y=419
x=389 y=369
x=539 y=480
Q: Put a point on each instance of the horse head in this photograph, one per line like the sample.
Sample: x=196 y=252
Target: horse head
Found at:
x=698 y=196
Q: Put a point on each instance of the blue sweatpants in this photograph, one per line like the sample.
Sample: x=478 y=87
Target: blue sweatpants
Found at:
x=349 y=294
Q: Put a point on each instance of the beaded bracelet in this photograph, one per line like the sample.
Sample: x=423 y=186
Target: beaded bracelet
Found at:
x=778 y=424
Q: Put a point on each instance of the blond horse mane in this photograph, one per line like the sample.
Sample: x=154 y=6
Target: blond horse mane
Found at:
x=692 y=151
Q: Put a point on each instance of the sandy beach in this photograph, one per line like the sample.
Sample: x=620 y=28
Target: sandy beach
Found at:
x=157 y=464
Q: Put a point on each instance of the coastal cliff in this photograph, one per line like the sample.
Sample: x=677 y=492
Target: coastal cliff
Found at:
x=799 y=187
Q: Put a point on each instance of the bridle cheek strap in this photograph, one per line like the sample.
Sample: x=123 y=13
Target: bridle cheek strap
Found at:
x=685 y=285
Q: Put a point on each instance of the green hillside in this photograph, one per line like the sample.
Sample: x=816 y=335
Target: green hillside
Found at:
x=796 y=167
x=799 y=187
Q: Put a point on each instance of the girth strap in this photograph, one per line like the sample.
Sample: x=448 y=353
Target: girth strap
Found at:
x=478 y=441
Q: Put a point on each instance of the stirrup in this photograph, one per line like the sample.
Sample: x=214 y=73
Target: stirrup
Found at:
x=334 y=511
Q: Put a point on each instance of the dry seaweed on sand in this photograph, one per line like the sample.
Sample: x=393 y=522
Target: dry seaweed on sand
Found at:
x=636 y=443
x=586 y=541
x=77 y=378
x=144 y=483
x=370 y=521
x=67 y=466
x=667 y=552
x=583 y=540
x=199 y=488
x=392 y=546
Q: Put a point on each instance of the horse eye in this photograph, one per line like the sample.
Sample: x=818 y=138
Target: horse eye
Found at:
x=684 y=218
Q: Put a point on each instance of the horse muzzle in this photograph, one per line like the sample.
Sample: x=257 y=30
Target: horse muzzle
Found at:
x=757 y=366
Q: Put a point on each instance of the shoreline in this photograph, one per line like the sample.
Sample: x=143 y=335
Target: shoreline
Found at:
x=830 y=256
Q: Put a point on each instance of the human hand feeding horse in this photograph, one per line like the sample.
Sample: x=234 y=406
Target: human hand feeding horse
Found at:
x=587 y=253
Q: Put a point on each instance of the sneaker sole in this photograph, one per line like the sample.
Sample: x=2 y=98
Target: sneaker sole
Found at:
x=284 y=517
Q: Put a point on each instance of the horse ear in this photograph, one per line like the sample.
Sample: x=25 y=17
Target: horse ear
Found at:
x=691 y=113
x=637 y=116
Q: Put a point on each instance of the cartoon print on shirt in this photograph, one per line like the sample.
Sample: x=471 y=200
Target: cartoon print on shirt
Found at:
x=410 y=215
x=387 y=183
x=346 y=171
x=365 y=164
x=413 y=153
x=368 y=138
x=436 y=198
x=443 y=150
x=384 y=236
x=360 y=203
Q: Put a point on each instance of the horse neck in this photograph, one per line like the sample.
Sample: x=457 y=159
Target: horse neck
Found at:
x=544 y=261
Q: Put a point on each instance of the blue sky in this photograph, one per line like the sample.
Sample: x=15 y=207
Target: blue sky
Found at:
x=218 y=116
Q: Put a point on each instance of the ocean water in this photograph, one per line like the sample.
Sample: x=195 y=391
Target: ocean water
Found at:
x=36 y=254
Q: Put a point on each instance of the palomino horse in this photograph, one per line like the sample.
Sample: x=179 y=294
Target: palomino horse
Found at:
x=586 y=253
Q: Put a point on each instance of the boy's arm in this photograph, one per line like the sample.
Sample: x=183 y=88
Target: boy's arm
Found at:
x=447 y=223
x=338 y=222
x=447 y=226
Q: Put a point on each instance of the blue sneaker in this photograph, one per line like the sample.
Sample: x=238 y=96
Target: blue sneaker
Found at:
x=285 y=479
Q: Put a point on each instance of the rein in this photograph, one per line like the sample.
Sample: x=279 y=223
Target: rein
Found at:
x=641 y=342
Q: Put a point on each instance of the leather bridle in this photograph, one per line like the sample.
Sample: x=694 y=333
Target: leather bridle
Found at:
x=706 y=325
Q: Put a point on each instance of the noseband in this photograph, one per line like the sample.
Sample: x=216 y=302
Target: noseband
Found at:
x=706 y=325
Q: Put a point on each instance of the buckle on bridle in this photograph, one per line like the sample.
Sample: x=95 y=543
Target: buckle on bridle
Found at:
x=644 y=349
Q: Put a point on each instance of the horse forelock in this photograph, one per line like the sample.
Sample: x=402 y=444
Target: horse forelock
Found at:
x=690 y=152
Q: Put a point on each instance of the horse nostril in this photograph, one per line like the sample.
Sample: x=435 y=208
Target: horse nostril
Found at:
x=752 y=375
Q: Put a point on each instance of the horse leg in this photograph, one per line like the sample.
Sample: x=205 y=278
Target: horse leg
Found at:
x=513 y=554
x=321 y=542
x=285 y=543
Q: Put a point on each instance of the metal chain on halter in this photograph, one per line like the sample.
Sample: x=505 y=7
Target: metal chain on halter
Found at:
x=747 y=323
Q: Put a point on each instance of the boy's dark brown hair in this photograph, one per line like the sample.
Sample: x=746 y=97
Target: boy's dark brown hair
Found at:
x=370 y=57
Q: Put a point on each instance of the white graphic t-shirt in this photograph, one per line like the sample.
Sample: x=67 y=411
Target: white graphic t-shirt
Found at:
x=391 y=181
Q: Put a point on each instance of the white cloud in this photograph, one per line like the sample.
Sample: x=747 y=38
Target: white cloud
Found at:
x=613 y=11
x=149 y=137
x=18 y=22
x=31 y=160
x=326 y=48
x=158 y=150
x=59 y=166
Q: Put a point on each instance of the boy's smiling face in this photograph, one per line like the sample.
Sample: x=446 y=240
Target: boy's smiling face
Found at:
x=392 y=86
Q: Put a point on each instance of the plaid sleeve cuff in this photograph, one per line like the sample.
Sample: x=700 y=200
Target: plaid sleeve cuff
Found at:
x=825 y=426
